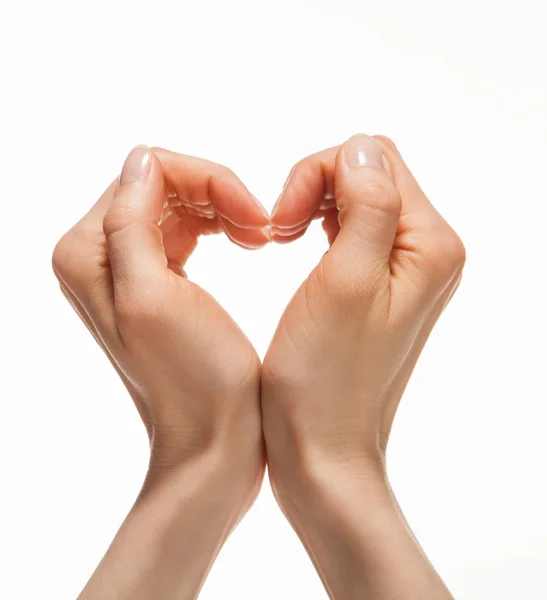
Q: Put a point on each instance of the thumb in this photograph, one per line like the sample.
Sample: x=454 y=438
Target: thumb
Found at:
x=134 y=240
x=368 y=201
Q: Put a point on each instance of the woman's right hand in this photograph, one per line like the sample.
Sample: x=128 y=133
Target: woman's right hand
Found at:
x=349 y=339
x=342 y=356
x=192 y=373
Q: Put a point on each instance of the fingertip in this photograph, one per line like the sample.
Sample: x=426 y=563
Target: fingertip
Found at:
x=262 y=215
x=278 y=233
x=138 y=196
x=368 y=200
x=309 y=187
x=362 y=176
x=235 y=203
x=267 y=232
x=287 y=239
x=297 y=203
x=136 y=165
x=362 y=150
x=251 y=239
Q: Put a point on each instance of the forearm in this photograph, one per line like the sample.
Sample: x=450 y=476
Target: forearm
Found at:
x=359 y=540
x=168 y=542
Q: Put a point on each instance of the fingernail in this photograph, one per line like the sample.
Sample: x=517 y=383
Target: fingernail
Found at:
x=362 y=151
x=278 y=201
x=136 y=165
x=279 y=198
x=262 y=209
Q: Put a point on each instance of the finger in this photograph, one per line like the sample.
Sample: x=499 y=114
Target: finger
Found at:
x=181 y=241
x=136 y=246
x=369 y=204
x=309 y=187
x=281 y=234
x=131 y=224
x=424 y=241
x=180 y=236
x=285 y=235
x=416 y=209
x=287 y=239
x=427 y=253
x=251 y=239
x=208 y=186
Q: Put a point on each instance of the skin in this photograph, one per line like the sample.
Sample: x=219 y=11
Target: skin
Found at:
x=192 y=374
x=329 y=386
x=340 y=360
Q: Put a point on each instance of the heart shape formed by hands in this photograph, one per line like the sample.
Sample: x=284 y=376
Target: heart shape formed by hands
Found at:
x=204 y=198
x=122 y=265
x=330 y=383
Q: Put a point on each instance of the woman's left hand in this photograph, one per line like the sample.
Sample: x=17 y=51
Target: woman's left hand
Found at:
x=193 y=375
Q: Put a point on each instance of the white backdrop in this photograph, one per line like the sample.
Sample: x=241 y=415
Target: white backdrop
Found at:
x=461 y=87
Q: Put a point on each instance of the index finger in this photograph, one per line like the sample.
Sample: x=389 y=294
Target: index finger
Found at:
x=311 y=187
x=212 y=188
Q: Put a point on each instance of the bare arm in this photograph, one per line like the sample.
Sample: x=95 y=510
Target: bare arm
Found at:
x=341 y=358
x=192 y=374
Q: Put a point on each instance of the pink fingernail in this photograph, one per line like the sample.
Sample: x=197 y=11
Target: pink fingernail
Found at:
x=278 y=201
x=136 y=165
x=266 y=230
x=362 y=151
x=276 y=205
x=262 y=209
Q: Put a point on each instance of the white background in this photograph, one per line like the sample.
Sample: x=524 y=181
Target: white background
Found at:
x=460 y=86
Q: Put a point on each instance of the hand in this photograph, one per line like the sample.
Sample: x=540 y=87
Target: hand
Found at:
x=193 y=375
x=342 y=356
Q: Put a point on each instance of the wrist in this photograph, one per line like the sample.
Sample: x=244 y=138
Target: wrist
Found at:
x=228 y=450
x=226 y=474
x=309 y=486
x=305 y=467
x=359 y=541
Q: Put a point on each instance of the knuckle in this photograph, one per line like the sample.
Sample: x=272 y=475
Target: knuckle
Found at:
x=297 y=168
x=60 y=255
x=218 y=175
x=445 y=254
x=307 y=167
x=77 y=254
x=451 y=249
x=222 y=173
x=117 y=218
x=455 y=251
x=64 y=258
x=379 y=197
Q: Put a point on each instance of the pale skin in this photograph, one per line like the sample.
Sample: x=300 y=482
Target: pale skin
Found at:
x=321 y=405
